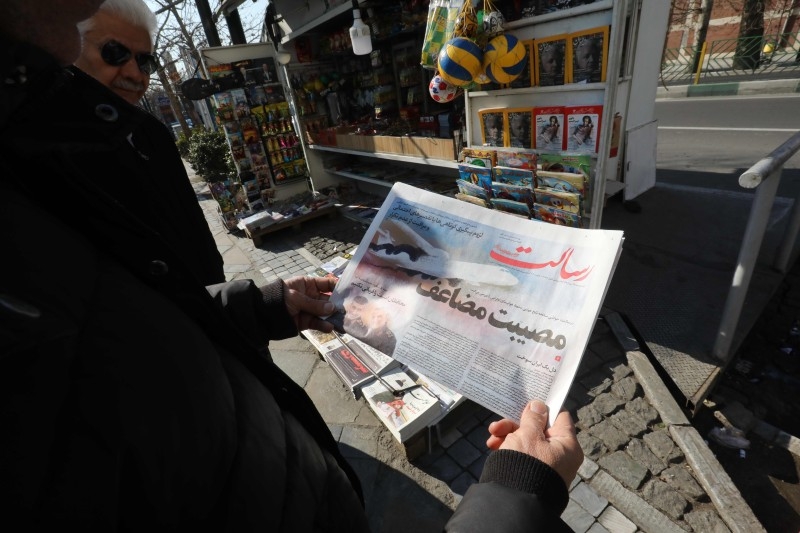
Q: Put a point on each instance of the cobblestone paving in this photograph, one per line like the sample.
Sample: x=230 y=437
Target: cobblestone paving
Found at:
x=635 y=476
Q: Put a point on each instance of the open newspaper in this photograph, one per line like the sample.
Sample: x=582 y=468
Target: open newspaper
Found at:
x=495 y=307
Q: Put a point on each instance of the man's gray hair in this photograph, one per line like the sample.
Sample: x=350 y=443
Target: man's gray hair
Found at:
x=135 y=12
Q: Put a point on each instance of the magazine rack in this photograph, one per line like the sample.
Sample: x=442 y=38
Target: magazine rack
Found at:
x=632 y=36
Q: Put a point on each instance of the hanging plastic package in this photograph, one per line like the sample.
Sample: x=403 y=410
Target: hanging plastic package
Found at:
x=442 y=15
x=493 y=20
x=466 y=22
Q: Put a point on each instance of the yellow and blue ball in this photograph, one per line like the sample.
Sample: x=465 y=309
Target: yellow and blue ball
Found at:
x=460 y=60
x=504 y=59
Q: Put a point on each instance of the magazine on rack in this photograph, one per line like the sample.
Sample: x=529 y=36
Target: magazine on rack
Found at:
x=497 y=308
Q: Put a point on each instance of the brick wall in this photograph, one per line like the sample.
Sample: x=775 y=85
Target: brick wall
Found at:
x=725 y=18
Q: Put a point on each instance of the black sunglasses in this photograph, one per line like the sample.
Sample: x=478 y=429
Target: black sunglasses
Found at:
x=117 y=54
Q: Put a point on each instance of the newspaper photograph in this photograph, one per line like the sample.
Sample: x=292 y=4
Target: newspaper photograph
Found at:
x=498 y=308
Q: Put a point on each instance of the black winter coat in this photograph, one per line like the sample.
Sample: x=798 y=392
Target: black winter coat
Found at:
x=132 y=397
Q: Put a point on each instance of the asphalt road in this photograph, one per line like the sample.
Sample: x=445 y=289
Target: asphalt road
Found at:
x=709 y=142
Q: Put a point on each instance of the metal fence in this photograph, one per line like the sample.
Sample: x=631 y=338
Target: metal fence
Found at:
x=765 y=177
x=748 y=58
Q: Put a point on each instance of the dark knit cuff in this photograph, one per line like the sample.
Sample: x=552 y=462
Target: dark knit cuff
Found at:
x=280 y=324
x=524 y=473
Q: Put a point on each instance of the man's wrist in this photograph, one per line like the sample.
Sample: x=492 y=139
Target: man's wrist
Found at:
x=525 y=473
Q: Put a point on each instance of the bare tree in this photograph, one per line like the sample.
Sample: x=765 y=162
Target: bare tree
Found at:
x=180 y=36
x=751 y=33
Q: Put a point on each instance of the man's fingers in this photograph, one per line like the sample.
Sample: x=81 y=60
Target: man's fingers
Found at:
x=316 y=307
x=493 y=443
x=501 y=428
x=319 y=325
x=324 y=284
x=534 y=417
x=562 y=427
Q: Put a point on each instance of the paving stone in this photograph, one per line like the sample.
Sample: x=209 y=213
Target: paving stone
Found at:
x=639 y=451
x=597 y=528
x=608 y=347
x=476 y=468
x=578 y=394
x=332 y=398
x=570 y=405
x=587 y=498
x=642 y=408
x=612 y=437
x=590 y=362
x=662 y=445
x=597 y=383
x=616 y=522
x=449 y=436
x=426 y=460
x=608 y=403
x=460 y=484
x=592 y=446
x=620 y=371
x=663 y=497
x=467 y=425
x=624 y=469
x=627 y=388
x=588 y=415
x=463 y=452
x=629 y=423
x=336 y=431
x=587 y=468
x=577 y=518
x=706 y=522
x=680 y=478
x=477 y=437
x=359 y=441
x=633 y=506
x=445 y=468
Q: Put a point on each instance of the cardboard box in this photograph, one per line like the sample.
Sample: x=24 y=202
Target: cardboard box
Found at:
x=427 y=147
x=430 y=147
x=388 y=144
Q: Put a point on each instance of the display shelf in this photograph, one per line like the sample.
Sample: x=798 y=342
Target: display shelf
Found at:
x=568 y=87
x=257 y=234
x=328 y=15
x=359 y=177
x=382 y=155
x=560 y=14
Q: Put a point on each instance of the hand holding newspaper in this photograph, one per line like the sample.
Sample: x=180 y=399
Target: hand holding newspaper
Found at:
x=497 y=308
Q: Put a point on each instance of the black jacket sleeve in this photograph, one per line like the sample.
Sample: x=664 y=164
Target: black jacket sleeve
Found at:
x=259 y=313
x=516 y=493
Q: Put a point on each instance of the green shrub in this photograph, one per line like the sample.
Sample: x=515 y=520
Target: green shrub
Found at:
x=210 y=156
x=183 y=145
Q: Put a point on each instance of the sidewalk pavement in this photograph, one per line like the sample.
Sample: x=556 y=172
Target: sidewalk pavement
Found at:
x=646 y=468
x=730 y=88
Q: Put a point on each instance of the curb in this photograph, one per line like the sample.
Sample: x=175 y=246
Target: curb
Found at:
x=710 y=474
x=737 y=88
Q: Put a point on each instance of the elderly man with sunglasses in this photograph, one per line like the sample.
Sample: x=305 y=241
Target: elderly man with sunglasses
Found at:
x=143 y=170
x=117 y=46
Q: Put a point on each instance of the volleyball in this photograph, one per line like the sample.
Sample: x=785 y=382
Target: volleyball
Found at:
x=504 y=59
x=459 y=61
x=441 y=91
